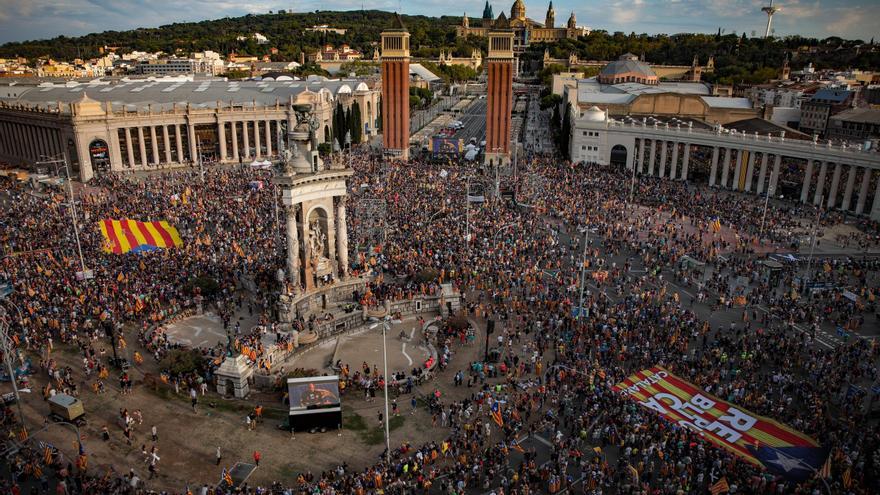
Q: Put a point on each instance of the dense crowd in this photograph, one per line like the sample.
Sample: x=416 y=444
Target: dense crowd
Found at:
x=517 y=263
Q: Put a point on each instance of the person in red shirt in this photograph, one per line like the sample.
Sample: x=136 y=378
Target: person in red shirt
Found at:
x=257 y=457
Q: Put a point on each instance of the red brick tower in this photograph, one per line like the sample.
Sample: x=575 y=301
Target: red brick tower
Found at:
x=499 y=97
x=395 y=90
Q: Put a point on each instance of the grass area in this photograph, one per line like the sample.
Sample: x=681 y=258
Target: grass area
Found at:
x=353 y=421
x=219 y=405
x=376 y=435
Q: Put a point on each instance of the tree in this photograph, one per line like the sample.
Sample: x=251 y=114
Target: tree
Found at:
x=356 y=124
x=565 y=132
x=339 y=125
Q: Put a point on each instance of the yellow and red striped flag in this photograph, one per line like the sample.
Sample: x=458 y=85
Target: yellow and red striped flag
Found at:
x=720 y=487
x=122 y=236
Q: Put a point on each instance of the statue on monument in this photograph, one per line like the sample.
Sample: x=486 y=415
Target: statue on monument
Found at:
x=317 y=240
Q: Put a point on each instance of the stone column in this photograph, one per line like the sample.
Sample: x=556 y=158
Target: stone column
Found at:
x=713 y=172
x=673 y=167
x=309 y=282
x=193 y=146
x=774 y=176
x=653 y=156
x=835 y=183
x=293 y=249
x=820 y=184
x=221 y=137
x=808 y=177
x=129 y=147
x=245 y=140
x=737 y=170
x=685 y=161
x=750 y=172
x=725 y=171
x=342 y=238
x=268 y=138
x=863 y=191
x=154 y=144
x=115 y=150
x=875 y=208
x=663 y=149
x=235 y=155
x=637 y=150
x=143 y=146
x=850 y=182
x=762 y=175
x=178 y=139
x=167 y=139
x=257 y=152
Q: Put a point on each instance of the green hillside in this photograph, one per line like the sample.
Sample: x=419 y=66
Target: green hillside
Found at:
x=286 y=31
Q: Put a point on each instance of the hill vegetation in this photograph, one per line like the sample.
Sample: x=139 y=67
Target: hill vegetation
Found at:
x=738 y=59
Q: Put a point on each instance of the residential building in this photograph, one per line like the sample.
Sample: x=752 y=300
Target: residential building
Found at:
x=816 y=111
x=854 y=125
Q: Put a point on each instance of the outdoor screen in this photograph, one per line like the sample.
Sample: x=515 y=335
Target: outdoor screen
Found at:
x=313 y=394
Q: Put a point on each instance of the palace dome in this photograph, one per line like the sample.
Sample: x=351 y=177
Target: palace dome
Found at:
x=628 y=69
x=594 y=114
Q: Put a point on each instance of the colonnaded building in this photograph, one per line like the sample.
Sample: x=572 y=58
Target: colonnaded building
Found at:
x=751 y=155
x=144 y=124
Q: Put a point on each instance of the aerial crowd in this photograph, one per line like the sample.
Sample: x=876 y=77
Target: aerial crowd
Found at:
x=656 y=272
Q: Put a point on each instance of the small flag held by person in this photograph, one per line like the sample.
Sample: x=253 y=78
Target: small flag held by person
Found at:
x=720 y=487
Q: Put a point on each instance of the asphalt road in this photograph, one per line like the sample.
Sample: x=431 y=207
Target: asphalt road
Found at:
x=474 y=119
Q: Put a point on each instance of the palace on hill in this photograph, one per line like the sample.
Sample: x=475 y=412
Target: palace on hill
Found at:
x=525 y=31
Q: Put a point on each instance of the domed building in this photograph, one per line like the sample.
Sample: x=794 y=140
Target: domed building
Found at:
x=628 y=69
x=526 y=31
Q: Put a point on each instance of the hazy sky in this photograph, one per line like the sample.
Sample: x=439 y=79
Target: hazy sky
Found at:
x=36 y=19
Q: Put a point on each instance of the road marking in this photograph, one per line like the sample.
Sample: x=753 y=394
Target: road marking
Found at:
x=403 y=350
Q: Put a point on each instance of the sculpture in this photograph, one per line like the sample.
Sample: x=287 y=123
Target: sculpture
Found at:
x=317 y=239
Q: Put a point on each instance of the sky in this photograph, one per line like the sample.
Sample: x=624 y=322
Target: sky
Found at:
x=36 y=19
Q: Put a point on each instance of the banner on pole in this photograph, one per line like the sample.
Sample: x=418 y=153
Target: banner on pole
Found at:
x=756 y=439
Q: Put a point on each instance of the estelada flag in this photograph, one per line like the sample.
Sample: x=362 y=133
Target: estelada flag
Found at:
x=720 y=487
x=126 y=235
x=756 y=439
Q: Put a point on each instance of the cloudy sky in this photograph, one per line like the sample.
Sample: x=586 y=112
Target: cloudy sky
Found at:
x=36 y=19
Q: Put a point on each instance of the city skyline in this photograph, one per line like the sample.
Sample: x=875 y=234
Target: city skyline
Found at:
x=42 y=19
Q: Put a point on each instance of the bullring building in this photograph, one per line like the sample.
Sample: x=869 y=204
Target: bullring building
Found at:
x=145 y=124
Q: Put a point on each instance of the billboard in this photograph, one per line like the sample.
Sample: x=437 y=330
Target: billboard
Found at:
x=756 y=439
x=447 y=145
x=315 y=394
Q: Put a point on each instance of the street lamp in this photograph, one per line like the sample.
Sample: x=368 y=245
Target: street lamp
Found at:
x=583 y=270
x=6 y=344
x=764 y=215
x=386 y=326
x=72 y=201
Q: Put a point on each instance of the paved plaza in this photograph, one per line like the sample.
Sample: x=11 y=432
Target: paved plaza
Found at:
x=364 y=345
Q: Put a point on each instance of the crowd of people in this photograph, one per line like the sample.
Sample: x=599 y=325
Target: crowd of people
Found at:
x=518 y=265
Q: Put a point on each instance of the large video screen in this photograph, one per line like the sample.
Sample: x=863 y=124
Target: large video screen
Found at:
x=313 y=394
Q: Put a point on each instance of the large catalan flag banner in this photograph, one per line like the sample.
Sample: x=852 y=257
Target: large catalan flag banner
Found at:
x=126 y=235
x=756 y=439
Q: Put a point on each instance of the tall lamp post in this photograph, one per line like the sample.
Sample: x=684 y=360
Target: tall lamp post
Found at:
x=583 y=270
x=72 y=201
x=386 y=326
x=6 y=344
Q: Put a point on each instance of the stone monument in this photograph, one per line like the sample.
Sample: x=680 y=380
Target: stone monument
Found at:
x=314 y=200
x=233 y=375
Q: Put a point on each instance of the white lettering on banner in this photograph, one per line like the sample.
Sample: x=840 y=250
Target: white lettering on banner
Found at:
x=722 y=431
x=738 y=419
x=696 y=406
x=655 y=378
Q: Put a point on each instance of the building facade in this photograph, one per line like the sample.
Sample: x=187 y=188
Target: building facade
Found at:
x=525 y=30
x=816 y=111
x=147 y=125
x=836 y=176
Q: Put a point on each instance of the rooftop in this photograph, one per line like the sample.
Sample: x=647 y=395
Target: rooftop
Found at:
x=134 y=94
x=861 y=115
